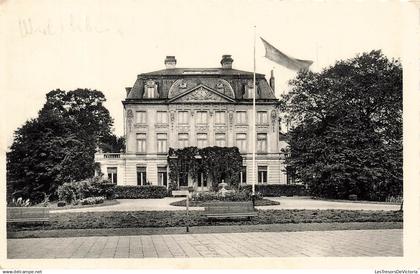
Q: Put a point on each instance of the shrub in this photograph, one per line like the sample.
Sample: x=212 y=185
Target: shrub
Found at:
x=396 y=199
x=19 y=202
x=97 y=189
x=37 y=197
x=353 y=197
x=140 y=192
x=61 y=204
x=68 y=192
x=92 y=200
x=94 y=187
x=278 y=190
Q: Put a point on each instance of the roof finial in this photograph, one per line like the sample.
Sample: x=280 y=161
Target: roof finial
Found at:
x=272 y=80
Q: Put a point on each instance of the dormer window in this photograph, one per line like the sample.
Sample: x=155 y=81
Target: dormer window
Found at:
x=249 y=90
x=150 y=89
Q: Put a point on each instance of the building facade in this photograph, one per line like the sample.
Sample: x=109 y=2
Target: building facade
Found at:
x=181 y=107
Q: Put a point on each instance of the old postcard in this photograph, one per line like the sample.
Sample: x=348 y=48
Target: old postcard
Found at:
x=210 y=134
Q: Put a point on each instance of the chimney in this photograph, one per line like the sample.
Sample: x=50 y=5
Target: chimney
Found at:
x=272 y=81
x=170 y=62
x=226 y=61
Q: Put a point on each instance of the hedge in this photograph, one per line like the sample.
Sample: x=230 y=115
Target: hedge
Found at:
x=140 y=192
x=278 y=190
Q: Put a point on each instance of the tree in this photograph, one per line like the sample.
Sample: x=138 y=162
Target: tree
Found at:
x=84 y=107
x=112 y=144
x=346 y=128
x=59 y=145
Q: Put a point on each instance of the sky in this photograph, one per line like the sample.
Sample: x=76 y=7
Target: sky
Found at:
x=104 y=45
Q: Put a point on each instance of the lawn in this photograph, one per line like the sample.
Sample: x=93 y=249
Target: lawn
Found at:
x=233 y=228
x=137 y=219
x=262 y=202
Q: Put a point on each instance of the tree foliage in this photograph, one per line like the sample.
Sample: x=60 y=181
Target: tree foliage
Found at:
x=346 y=128
x=59 y=145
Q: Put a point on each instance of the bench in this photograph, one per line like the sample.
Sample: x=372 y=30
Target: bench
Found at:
x=27 y=214
x=229 y=210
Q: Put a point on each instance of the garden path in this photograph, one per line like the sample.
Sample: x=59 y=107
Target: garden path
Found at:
x=285 y=203
x=308 y=203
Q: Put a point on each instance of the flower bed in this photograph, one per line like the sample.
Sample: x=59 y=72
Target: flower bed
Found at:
x=92 y=201
x=232 y=196
x=54 y=205
x=260 y=202
x=278 y=190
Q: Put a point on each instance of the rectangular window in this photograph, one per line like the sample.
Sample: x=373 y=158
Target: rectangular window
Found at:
x=141 y=117
x=251 y=91
x=262 y=142
x=201 y=140
x=141 y=142
x=150 y=92
x=162 y=117
x=241 y=142
x=162 y=176
x=201 y=117
x=262 y=174
x=141 y=176
x=220 y=139
x=241 y=117
x=183 y=140
x=262 y=117
x=182 y=117
x=112 y=175
x=220 y=117
x=162 y=143
x=242 y=175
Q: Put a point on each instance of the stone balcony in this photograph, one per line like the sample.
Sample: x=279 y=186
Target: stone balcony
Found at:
x=112 y=157
x=108 y=156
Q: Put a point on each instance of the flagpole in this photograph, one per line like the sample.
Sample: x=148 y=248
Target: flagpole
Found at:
x=253 y=124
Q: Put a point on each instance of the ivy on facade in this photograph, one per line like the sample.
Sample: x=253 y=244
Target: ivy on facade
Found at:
x=215 y=163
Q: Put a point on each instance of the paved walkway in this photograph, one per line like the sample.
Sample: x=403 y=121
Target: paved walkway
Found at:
x=285 y=203
x=302 y=203
x=340 y=243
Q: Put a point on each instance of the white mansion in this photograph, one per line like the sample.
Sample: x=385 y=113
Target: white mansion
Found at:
x=181 y=107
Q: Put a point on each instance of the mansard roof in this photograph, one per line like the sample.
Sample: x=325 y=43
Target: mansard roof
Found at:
x=200 y=71
x=172 y=82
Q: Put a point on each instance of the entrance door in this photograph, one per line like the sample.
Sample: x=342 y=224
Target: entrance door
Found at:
x=183 y=175
x=202 y=182
x=183 y=179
